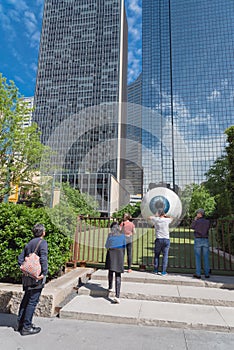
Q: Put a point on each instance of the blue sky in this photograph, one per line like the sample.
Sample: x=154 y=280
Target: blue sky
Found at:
x=20 y=26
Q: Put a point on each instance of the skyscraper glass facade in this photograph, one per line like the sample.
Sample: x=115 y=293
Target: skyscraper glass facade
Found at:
x=83 y=63
x=187 y=87
x=134 y=172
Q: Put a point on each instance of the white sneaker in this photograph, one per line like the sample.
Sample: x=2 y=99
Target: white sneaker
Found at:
x=116 y=300
x=163 y=274
x=110 y=289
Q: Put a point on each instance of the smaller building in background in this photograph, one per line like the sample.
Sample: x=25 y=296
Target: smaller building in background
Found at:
x=135 y=199
x=29 y=101
x=101 y=187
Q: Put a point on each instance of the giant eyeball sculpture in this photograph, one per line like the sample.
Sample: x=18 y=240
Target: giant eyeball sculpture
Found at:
x=162 y=198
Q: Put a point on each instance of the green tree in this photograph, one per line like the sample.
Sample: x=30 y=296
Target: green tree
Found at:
x=230 y=158
x=20 y=146
x=81 y=203
x=217 y=185
x=71 y=205
x=201 y=198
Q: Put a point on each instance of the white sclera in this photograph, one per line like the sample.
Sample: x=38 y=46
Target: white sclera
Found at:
x=175 y=205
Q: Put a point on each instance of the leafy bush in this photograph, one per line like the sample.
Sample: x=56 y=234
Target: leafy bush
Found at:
x=133 y=210
x=225 y=234
x=16 y=222
x=81 y=203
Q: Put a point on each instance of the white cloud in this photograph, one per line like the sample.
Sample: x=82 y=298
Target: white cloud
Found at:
x=14 y=15
x=6 y=24
x=33 y=66
x=134 y=65
x=40 y=2
x=30 y=16
x=30 y=22
x=134 y=28
x=35 y=39
x=214 y=147
x=214 y=95
x=16 y=54
x=224 y=82
x=134 y=6
x=20 y=5
x=231 y=95
x=19 y=79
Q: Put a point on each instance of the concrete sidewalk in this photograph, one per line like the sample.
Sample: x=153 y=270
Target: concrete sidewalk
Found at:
x=148 y=299
x=63 y=334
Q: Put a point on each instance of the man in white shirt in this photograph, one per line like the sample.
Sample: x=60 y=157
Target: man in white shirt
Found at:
x=162 y=243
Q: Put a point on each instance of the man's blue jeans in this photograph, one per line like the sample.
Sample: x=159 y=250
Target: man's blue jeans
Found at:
x=201 y=247
x=161 y=245
x=27 y=307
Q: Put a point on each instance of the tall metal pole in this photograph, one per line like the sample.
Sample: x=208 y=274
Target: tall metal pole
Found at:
x=171 y=91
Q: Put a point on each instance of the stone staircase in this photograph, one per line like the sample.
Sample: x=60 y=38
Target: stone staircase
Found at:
x=175 y=300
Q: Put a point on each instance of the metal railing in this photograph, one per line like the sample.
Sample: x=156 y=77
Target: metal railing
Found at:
x=91 y=234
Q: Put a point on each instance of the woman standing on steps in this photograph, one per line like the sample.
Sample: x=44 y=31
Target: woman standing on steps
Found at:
x=115 y=244
x=129 y=230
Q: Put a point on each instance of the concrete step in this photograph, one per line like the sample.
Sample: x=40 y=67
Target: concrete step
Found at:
x=150 y=313
x=178 y=301
x=162 y=292
x=222 y=282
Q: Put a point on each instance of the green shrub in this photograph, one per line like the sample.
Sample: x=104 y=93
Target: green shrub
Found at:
x=133 y=210
x=16 y=222
x=225 y=234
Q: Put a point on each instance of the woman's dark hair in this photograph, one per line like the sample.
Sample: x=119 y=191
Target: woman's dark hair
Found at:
x=38 y=230
x=114 y=223
x=160 y=212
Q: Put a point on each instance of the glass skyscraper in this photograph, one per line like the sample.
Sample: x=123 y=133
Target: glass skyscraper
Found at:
x=81 y=83
x=187 y=87
x=134 y=172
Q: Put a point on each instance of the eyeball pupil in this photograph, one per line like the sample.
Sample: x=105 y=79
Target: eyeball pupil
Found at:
x=159 y=202
x=159 y=205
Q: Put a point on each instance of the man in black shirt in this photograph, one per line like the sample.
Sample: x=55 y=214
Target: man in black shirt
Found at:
x=201 y=226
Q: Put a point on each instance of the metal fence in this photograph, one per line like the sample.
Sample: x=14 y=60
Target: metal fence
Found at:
x=91 y=233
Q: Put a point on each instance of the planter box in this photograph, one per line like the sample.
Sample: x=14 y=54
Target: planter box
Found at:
x=53 y=295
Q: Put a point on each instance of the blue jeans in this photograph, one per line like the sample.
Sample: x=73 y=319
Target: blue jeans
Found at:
x=161 y=245
x=27 y=307
x=129 y=255
x=201 y=246
x=129 y=251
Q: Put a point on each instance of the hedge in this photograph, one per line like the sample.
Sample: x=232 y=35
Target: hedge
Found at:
x=16 y=222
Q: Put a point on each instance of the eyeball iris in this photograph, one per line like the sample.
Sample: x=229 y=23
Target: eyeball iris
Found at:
x=159 y=202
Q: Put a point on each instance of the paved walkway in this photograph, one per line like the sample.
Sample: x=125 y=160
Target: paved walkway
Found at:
x=63 y=334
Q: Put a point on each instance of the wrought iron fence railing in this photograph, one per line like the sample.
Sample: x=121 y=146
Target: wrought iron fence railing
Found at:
x=91 y=234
